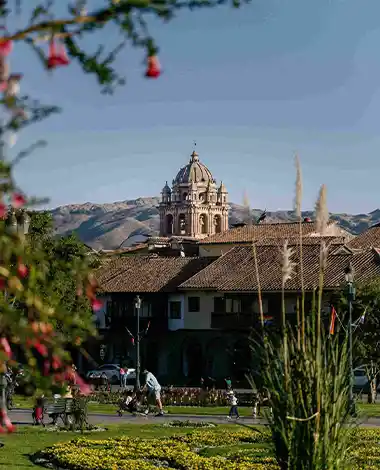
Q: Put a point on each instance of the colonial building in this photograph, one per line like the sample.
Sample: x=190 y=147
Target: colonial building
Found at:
x=202 y=309
x=194 y=206
x=199 y=282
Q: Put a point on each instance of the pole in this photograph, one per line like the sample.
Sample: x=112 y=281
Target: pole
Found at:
x=138 y=306
x=351 y=402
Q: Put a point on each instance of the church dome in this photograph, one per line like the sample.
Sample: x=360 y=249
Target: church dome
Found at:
x=194 y=172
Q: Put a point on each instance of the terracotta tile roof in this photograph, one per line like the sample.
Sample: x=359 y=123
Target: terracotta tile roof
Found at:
x=122 y=251
x=368 y=239
x=249 y=233
x=235 y=271
x=294 y=241
x=138 y=273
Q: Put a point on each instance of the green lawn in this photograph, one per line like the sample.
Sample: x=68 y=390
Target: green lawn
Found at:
x=22 y=402
x=27 y=440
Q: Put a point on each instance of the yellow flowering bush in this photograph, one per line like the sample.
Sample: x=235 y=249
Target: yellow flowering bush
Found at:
x=185 y=452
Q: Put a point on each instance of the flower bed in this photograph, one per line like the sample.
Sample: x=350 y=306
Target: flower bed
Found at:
x=188 y=424
x=182 y=397
x=185 y=452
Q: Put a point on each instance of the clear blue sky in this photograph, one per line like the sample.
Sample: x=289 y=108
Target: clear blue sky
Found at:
x=251 y=86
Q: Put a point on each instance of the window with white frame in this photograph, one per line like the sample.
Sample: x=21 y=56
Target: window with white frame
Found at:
x=175 y=310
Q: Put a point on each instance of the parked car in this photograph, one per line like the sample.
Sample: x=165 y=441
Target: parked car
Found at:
x=360 y=380
x=112 y=372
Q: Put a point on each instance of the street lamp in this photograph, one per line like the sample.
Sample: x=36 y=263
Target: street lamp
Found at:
x=349 y=276
x=137 y=309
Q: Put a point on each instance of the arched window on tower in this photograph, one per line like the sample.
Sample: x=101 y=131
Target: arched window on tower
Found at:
x=218 y=223
x=184 y=196
x=182 y=224
x=203 y=223
x=169 y=224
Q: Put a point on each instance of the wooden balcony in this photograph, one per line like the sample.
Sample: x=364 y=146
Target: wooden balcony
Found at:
x=231 y=321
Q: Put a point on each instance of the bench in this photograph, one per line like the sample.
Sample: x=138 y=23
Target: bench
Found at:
x=61 y=408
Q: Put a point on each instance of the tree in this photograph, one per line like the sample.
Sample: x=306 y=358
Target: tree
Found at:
x=367 y=332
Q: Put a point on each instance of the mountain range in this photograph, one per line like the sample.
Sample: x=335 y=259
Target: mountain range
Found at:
x=122 y=224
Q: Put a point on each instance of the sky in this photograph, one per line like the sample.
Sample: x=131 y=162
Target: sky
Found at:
x=253 y=87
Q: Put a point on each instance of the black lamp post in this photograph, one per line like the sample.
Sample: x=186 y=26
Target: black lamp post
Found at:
x=349 y=276
x=137 y=309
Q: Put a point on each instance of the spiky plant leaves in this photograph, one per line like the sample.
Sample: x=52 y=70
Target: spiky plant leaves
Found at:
x=294 y=402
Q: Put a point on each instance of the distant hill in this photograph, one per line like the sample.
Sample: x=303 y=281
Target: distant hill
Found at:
x=121 y=224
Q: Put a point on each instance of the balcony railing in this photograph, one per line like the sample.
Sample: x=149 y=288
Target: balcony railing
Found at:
x=233 y=320
x=156 y=323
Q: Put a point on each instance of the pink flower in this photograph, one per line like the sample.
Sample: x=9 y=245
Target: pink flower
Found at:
x=57 y=363
x=6 y=347
x=3 y=211
x=57 y=55
x=6 y=47
x=46 y=367
x=22 y=270
x=96 y=305
x=18 y=200
x=154 y=68
x=84 y=388
x=41 y=348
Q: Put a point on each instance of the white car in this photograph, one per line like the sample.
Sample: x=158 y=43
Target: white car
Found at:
x=112 y=372
x=360 y=378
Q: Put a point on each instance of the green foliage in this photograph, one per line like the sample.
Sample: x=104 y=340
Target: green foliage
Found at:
x=305 y=438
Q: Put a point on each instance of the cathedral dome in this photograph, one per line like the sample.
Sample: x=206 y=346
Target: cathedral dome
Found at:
x=194 y=172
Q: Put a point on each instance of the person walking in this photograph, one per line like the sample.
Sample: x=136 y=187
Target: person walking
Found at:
x=233 y=402
x=228 y=382
x=123 y=378
x=154 y=390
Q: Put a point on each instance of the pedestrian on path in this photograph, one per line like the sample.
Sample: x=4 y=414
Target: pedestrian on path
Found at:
x=233 y=402
x=123 y=378
x=154 y=390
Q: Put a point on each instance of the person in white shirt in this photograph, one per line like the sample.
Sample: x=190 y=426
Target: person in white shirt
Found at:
x=233 y=402
x=154 y=390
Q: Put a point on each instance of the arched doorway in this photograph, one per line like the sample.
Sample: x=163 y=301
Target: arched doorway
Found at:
x=203 y=224
x=182 y=224
x=192 y=360
x=218 y=223
x=169 y=224
x=217 y=361
x=241 y=359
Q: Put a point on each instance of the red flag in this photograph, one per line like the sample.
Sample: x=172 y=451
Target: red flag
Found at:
x=332 y=323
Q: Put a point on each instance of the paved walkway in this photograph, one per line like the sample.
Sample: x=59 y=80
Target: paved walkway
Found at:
x=24 y=417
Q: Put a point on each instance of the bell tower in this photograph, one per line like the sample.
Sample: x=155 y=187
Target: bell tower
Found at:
x=194 y=206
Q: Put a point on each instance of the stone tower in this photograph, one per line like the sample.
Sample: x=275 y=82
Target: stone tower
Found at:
x=194 y=206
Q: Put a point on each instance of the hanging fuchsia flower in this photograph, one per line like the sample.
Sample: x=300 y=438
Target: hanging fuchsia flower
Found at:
x=46 y=367
x=84 y=388
x=22 y=270
x=18 y=200
x=6 y=47
x=5 y=345
x=41 y=348
x=57 y=56
x=3 y=211
x=96 y=305
x=154 y=68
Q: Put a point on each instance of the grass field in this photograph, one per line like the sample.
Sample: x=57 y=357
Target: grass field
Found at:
x=22 y=402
